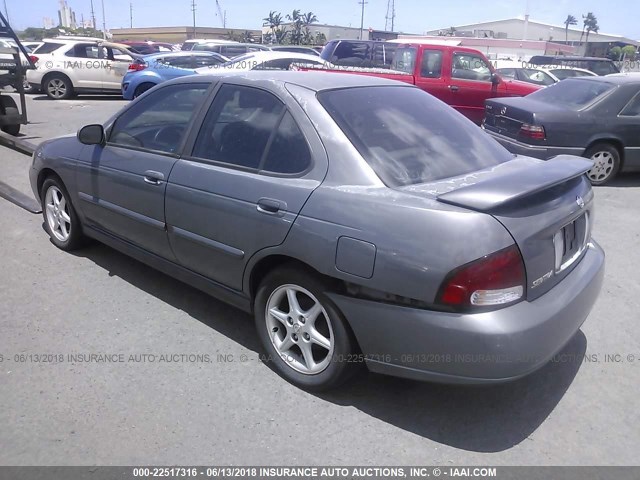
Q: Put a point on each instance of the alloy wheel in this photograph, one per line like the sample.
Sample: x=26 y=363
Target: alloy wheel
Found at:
x=57 y=212
x=603 y=167
x=57 y=88
x=299 y=329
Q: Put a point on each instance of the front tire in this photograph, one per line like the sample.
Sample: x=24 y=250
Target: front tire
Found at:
x=306 y=338
x=60 y=219
x=607 y=163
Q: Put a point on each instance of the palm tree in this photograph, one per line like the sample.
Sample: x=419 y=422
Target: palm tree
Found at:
x=296 y=20
x=571 y=20
x=591 y=23
x=274 y=20
x=307 y=20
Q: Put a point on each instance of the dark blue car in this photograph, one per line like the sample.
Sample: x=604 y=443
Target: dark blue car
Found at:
x=151 y=70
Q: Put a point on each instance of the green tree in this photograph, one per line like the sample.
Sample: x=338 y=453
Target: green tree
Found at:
x=308 y=19
x=297 y=22
x=571 y=20
x=615 y=53
x=628 y=52
x=277 y=33
x=591 y=24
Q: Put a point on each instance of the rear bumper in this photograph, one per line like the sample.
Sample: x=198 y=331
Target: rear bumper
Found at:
x=481 y=348
x=541 y=152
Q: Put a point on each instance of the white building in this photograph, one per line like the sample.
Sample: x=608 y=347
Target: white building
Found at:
x=526 y=29
x=66 y=16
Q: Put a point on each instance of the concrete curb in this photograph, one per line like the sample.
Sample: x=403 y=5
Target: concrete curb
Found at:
x=16 y=143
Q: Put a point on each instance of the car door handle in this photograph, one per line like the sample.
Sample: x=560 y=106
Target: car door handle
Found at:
x=270 y=206
x=454 y=88
x=153 y=178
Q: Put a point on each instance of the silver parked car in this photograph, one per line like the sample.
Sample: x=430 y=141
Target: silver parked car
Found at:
x=360 y=220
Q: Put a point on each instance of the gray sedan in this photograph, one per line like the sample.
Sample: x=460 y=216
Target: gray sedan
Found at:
x=596 y=117
x=361 y=220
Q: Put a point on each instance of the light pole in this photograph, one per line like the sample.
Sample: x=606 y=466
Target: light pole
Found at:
x=363 y=3
x=104 y=23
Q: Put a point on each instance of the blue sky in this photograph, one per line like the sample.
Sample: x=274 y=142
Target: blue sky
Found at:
x=412 y=16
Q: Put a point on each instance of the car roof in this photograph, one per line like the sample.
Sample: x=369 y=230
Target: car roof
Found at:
x=316 y=81
x=182 y=53
x=617 y=79
x=573 y=58
x=264 y=55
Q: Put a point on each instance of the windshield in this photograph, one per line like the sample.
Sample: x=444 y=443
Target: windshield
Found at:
x=408 y=137
x=572 y=93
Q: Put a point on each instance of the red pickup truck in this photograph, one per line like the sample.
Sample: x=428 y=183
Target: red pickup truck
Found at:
x=459 y=76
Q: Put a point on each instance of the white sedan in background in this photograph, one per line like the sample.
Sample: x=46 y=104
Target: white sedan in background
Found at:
x=264 y=60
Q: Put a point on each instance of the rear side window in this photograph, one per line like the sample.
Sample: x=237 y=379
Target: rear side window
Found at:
x=288 y=152
x=431 y=64
x=238 y=126
x=180 y=62
x=48 y=47
x=602 y=68
x=353 y=54
x=83 y=51
x=633 y=107
x=409 y=137
x=573 y=93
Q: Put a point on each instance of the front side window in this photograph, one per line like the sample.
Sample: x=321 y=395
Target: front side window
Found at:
x=83 y=51
x=537 y=77
x=470 y=67
x=159 y=121
x=409 y=137
x=238 y=126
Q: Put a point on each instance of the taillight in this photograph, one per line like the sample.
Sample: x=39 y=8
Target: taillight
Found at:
x=495 y=279
x=137 y=66
x=33 y=59
x=532 y=131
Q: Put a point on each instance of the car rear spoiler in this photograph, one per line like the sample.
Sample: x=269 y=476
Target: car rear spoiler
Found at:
x=504 y=188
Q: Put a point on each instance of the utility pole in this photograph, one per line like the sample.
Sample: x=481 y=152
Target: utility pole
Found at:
x=363 y=3
x=104 y=23
x=391 y=15
x=6 y=12
x=131 y=14
x=193 y=9
x=93 y=17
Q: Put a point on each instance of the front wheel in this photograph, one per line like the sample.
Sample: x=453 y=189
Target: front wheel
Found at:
x=606 y=163
x=60 y=219
x=306 y=338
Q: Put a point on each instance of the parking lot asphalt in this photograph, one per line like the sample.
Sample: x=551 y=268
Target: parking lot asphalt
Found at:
x=211 y=401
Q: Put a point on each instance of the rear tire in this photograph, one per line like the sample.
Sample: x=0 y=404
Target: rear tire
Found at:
x=57 y=86
x=60 y=218
x=9 y=107
x=607 y=163
x=305 y=337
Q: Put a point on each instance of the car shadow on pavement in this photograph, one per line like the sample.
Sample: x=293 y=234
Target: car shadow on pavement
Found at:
x=480 y=419
x=624 y=180
x=43 y=97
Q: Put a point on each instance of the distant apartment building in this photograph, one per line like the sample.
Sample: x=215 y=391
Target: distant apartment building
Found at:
x=48 y=23
x=66 y=16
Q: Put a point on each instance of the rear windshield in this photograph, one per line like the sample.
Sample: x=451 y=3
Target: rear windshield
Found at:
x=572 y=93
x=409 y=137
x=48 y=47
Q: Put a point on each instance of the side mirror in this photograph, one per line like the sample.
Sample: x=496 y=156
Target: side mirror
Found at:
x=495 y=78
x=91 y=135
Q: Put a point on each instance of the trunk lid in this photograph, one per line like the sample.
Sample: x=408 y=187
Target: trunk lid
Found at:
x=547 y=207
x=507 y=115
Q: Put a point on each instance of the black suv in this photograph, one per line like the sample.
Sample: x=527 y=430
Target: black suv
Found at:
x=359 y=53
x=599 y=66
